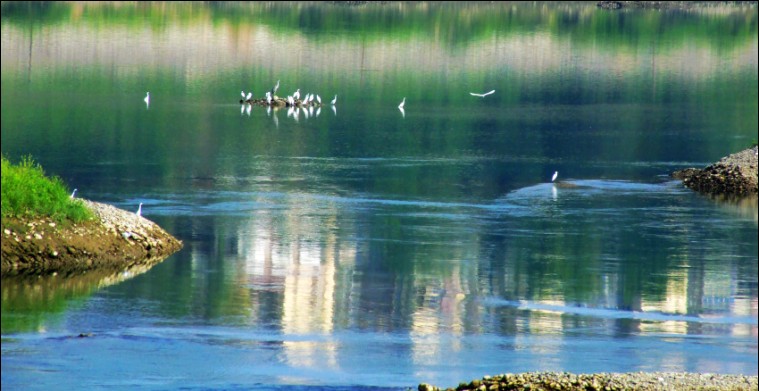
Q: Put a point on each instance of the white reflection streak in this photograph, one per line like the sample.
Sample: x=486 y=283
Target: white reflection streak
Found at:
x=403 y=112
x=334 y=110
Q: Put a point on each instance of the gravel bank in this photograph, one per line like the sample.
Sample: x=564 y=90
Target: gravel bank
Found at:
x=670 y=5
x=116 y=239
x=645 y=381
x=732 y=175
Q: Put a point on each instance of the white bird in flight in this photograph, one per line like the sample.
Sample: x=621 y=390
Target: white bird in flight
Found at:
x=555 y=174
x=139 y=210
x=482 y=95
x=403 y=103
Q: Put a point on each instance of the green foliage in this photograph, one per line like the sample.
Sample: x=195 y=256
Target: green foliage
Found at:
x=27 y=192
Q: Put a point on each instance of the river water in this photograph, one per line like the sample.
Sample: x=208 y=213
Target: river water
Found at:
x=363 y=246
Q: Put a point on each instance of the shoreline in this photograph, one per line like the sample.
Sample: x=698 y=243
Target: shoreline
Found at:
x=644 y=381
x=116 y=239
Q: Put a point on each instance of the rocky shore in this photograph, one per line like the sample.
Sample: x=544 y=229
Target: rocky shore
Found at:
x=644 y=381
x=734 y=175
x=115 y=239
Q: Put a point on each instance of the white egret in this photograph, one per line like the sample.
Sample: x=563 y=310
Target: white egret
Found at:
x=139 y=210
x=403 y=103
x=250 y=95
x=147 y=98
x=555 y=174
x=274 y=90
x=482 y=95
x=296 y=95
x=334 y=100
x=243 y=94
x=73 y=193
x=318 y=98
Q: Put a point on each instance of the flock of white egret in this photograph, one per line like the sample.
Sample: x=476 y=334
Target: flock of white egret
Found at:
x=293 y=101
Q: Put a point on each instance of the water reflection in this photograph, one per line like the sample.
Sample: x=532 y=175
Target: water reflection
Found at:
x=36 y=303
x=746 y=207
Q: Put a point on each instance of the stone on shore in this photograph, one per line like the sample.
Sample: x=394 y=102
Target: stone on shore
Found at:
x=734 y=175
x=115 y=239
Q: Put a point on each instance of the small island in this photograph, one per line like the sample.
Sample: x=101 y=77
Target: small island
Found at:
x=47 y=231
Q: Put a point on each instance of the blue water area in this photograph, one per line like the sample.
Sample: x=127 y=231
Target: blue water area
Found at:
x=361 y=247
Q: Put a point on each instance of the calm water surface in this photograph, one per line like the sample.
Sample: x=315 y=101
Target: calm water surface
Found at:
x=361 y=246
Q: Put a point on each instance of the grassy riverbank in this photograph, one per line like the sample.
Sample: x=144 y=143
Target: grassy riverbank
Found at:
x=28 y=192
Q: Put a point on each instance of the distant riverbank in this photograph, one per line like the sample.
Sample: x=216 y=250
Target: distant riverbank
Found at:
x=115 y=239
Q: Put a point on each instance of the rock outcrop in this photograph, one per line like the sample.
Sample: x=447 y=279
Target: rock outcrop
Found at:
x=734 y=175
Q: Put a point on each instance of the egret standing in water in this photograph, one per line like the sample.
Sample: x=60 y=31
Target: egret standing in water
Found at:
x=403 y=103
x=73 y=193
x=250 y=95
x=147 y=98
x=334 y=100
x=555 y=175
x=139 y=210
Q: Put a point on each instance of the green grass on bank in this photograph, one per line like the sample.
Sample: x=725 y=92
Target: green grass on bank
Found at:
x=27 y=192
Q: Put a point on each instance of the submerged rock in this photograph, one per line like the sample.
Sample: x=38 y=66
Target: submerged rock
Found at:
x=115 y=239
x=732 y=175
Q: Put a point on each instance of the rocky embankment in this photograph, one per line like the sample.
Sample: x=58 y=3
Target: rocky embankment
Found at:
x=734 y=175
x=643 y=381
x=115 y=239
